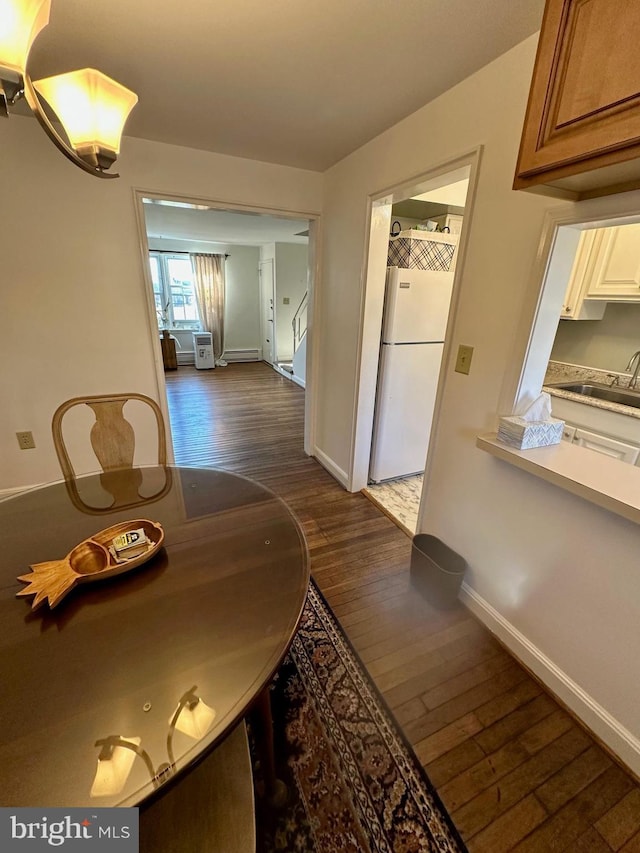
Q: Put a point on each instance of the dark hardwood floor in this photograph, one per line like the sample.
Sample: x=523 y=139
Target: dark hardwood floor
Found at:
x=514 y=769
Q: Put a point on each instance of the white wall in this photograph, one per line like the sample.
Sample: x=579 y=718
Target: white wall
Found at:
x=242 y=310
x=290 y=264
x=291 y=284
x=75 y=320
x=560 y=573
x=607 y=344
x=242 y=290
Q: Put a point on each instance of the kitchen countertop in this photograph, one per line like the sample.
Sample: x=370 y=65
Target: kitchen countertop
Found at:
x=558 y=371
x=596 y=477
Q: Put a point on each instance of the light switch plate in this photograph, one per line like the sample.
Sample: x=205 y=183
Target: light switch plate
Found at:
x=463 y=361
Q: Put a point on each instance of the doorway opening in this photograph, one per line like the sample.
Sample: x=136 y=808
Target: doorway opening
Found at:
x=263 y=260
x=416 y=243
x=594 y=364
x=582 y=347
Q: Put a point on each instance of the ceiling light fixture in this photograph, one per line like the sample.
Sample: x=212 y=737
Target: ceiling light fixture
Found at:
x=91 y=107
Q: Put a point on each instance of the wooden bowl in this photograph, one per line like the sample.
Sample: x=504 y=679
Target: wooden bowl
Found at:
x=90 y=560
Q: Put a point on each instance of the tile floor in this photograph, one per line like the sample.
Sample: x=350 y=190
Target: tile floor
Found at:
x=399 y=499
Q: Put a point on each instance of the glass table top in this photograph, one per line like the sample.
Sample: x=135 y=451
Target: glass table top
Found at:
x=128 y=680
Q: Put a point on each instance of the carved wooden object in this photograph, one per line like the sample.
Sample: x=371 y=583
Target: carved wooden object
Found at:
x=89 y=561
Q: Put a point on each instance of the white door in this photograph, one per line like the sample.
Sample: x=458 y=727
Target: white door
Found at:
x=267 y=324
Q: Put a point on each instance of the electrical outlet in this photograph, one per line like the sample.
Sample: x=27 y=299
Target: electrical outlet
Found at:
x=25 y=440
x=463 y=361
x=285 y=300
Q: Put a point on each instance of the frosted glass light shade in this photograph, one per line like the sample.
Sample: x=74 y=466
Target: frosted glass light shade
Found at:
x=113 y=772
x=195 y=719
x=91 y=106
x=20 y=23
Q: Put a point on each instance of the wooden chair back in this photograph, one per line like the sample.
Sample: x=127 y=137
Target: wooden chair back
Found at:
x=113 y=441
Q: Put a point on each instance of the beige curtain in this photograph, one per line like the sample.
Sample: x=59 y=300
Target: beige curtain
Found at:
x=209 y=275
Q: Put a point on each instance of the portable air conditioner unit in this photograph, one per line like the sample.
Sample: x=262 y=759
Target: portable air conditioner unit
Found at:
x=203 y=348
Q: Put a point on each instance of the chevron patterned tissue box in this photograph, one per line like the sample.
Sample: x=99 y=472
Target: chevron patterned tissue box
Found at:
x=525 y=434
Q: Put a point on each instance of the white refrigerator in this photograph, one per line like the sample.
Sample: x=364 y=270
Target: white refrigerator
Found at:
x=416 y=308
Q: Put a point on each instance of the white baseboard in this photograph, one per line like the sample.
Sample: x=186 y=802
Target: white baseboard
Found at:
x=332 y=468
x=281 y=370
x=189 y=357
x=288 y=375
x=619 y=739
x=242 y=355
x=8 y=493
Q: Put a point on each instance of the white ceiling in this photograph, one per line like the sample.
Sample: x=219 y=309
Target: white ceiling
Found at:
x=451 y=194
x=219 y=226
x=285 y=81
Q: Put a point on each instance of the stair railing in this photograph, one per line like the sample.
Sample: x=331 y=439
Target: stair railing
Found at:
x=299 y=322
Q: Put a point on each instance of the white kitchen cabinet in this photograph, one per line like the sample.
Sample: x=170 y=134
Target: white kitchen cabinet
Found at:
x=594 y=419
x=609 y=446
x=452 y=221
x=615 y=274
x=576 y=306
x=601 y=430
x=614 y=447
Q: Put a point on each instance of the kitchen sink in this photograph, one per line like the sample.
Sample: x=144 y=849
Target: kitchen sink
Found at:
x=613 y=394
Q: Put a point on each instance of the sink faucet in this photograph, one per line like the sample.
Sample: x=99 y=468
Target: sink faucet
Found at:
x=634 y=364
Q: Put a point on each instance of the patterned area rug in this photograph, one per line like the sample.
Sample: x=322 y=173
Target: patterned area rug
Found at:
x=354 y=783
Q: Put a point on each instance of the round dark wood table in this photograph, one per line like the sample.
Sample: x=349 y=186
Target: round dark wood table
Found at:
x=201 y=628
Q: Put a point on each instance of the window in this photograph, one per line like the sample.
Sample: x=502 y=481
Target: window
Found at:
x=173 y=291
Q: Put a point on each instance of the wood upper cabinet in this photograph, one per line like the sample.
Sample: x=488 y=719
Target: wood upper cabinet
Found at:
x=583 y=115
